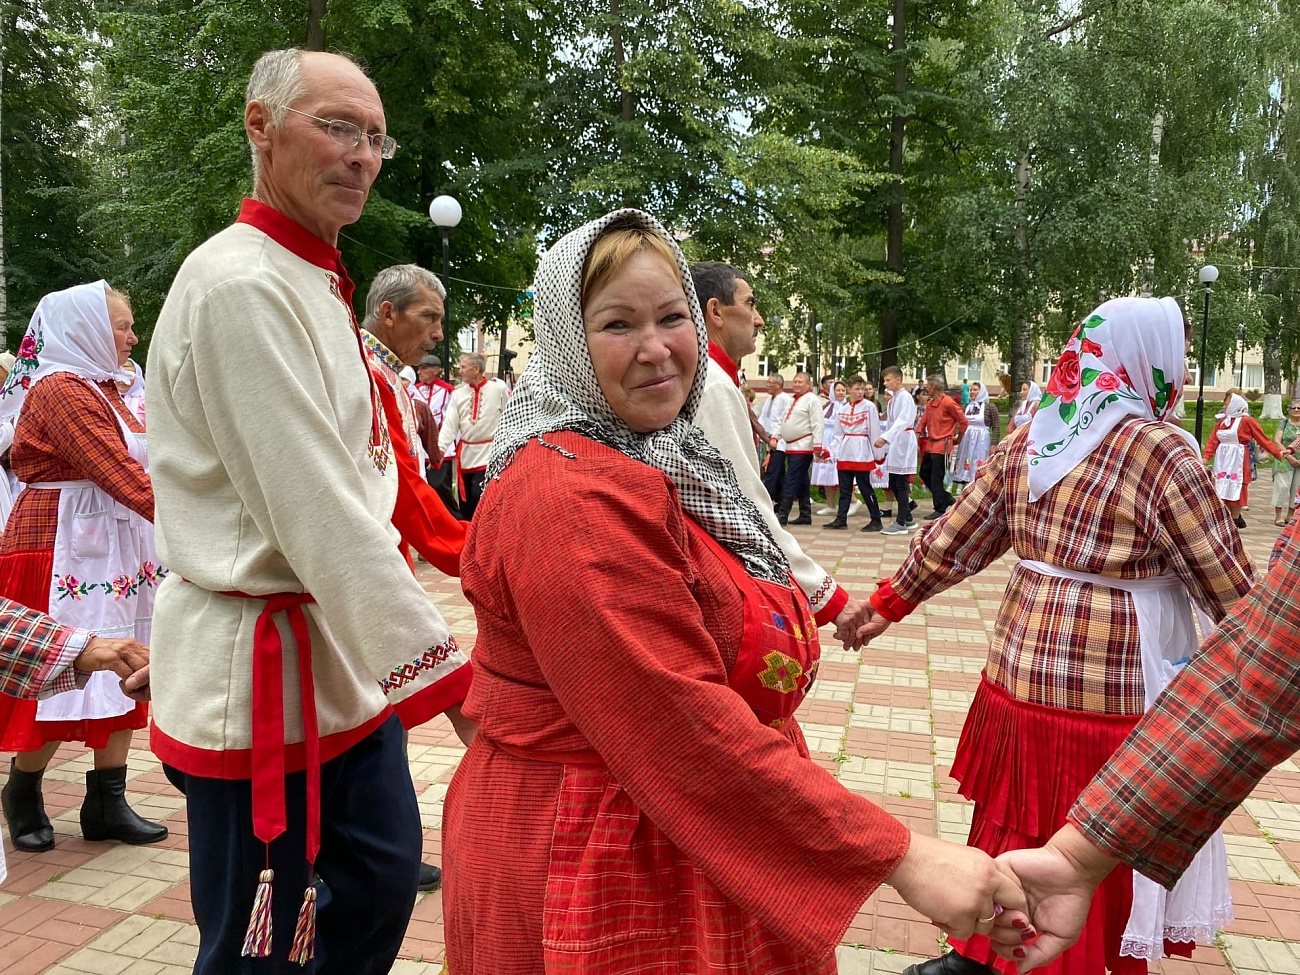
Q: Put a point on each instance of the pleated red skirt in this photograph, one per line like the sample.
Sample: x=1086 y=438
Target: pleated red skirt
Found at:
x=1023 y=765
x=25 y=578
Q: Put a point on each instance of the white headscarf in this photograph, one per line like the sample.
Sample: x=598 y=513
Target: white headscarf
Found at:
x=69 y=332
x=979 y=400
x=1129 y=358
x=1035 y=395
x=558 y=391
x=1235 y=408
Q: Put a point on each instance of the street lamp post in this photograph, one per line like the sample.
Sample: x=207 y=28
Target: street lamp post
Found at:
x=1207 y=275
x=1241 y=356
x=445 y=212
x=817 y=352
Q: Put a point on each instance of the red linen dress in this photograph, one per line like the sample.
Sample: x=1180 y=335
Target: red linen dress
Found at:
x=1247 y=430
x=67 y=431
x=623 y=808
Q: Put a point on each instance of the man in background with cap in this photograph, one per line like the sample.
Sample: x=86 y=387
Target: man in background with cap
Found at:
x=435 y=393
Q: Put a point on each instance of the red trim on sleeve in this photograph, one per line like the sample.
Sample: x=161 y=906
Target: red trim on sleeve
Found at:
x=833 y=606
x=427 y=704
x=890 y=604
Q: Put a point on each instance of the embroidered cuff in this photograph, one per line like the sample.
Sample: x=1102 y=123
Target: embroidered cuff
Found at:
x=62 y=676
x=427 y=704
x=833 y=605
x=890 y=604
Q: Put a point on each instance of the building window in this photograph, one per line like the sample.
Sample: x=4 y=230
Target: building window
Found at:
x=1254 y=377
x=971 y=371
x=764 y=365
x=802 y=365
x=1047 y=371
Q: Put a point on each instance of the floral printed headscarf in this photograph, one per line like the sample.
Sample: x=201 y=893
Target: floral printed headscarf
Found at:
x=71 y=332
x=1128 y=358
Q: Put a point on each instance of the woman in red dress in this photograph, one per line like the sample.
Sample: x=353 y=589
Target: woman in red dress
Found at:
x=78 y=545
x=639 y=797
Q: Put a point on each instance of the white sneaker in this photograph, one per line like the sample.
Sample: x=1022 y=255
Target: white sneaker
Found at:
x=854 y=508
x=893 y=528
x=826 y=511
x=911 y=526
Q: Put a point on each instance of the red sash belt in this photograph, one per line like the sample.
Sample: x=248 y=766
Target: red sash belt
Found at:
x=269 y=814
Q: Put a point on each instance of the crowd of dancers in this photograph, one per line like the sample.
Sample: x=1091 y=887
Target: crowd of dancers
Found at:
x=636 y=795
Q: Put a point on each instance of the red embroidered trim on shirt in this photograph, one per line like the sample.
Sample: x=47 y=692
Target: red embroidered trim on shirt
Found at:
x=718 y=355
x=428 y=660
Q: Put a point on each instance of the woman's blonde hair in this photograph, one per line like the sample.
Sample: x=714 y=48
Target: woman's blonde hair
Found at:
x=618 y=245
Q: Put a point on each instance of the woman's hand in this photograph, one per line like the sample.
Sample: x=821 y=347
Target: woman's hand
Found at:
x=959 y=888
x=464 y=727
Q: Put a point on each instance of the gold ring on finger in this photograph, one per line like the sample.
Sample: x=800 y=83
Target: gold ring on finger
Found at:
x=987 y=920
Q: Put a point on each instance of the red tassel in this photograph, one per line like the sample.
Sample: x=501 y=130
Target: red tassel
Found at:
x=257 y=941
x=304 y=933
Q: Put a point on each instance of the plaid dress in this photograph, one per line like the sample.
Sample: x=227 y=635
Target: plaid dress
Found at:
x=1063 y=683
x=66 y=432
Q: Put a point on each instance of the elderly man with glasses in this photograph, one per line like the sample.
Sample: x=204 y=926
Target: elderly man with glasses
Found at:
x=1286 y=469
x=292 y=643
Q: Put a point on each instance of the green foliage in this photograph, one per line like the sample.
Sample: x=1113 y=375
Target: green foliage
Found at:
x=756 y=130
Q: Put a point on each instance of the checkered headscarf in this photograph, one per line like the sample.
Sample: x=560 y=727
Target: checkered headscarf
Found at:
x=558 y=391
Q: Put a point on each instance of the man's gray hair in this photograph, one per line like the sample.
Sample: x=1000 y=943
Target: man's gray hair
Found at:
x=276 y=82
x=400 y=285
x=476 y=360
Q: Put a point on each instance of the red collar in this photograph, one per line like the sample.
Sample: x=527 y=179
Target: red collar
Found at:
x=478 y=385
x=719 y=356
x=438 y=384
x=297 y=239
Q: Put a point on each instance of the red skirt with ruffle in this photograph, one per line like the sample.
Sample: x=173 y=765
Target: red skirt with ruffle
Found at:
x=1023 y=765
x=25 y=578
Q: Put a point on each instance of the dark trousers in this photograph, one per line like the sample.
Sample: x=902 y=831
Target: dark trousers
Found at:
x=774 y=476
x=439 y=479
x=863 y=480
x=368 y=864
x=933 y=467
x=471 y=492
x=900 y=485
x=796 y=486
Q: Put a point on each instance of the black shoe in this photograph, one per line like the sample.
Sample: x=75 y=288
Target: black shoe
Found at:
x=24 y=809
x=837 y=523
x=873 y=526
x=911 y=505
x=887 y=513
x=949 y=964
x=1240 y=522
x=106 y=816
x=802 y=520
x=933 y=515
x=430 y=877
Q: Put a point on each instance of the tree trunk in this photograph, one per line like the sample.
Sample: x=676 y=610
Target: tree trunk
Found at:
x=1022 y=341
x=1153 y=169
x=316 y=25
x=626 y=100
x=894 y=234
x=1273 y=375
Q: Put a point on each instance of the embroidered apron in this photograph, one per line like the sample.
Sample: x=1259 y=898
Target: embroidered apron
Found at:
x=105 y=575
x=974 y=447
x=1229 y=462
x=779 y=650
x=1200 y=903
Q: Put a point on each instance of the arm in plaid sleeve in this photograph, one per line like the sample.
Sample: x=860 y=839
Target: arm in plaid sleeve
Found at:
x=1197 y=536
x=36 y=653
x=973 y=534
x=1229 y=717
x=79 y=424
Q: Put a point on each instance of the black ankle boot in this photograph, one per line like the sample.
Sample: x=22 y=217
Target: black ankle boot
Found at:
x=105 y=814
x=950 y=964
x=24 y=810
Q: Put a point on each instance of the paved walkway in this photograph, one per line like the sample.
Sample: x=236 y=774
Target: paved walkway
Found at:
x=885 y=722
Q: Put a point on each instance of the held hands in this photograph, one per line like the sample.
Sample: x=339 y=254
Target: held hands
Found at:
x=961 y=889
x=881 y=442
x=126 y=658
x=1058 y=881
x=465 y=728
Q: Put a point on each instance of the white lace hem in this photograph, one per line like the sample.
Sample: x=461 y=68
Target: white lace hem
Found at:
x=1201 y=934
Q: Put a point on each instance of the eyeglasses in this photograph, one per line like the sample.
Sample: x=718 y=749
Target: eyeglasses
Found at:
x=347 y=134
